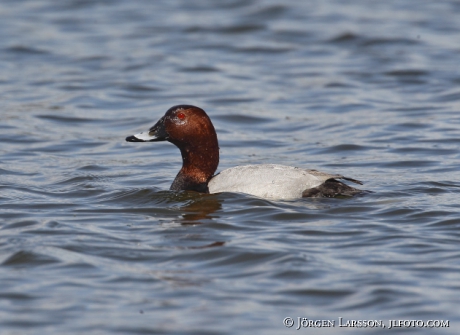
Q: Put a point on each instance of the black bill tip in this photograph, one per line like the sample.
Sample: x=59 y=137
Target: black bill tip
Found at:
x=133 y=139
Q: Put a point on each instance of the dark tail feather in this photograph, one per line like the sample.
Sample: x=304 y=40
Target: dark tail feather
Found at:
x=333 y=188
x=353 y=180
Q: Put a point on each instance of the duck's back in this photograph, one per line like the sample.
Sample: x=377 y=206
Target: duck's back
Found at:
x=268 y=181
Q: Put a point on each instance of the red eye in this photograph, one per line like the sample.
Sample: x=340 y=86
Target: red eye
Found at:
x=181 y=116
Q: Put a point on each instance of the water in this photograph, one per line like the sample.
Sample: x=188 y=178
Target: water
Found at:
x=91 y=239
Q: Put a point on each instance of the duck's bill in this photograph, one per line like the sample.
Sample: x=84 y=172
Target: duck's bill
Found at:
x=156 y=133
x=142 y=137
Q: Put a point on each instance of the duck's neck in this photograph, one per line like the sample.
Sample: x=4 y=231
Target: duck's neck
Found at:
x=199 y=162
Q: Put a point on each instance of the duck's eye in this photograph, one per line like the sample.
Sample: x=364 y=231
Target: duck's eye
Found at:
x=181 y=116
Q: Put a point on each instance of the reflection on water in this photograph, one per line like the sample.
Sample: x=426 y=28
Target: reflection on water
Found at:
x=200 y=209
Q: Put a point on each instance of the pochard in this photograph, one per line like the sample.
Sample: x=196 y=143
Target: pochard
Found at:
x=191 y=130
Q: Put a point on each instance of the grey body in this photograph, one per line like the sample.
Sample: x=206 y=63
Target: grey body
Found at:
x=272 y=181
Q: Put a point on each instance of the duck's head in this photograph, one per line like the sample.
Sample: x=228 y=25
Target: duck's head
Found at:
x=191 y=130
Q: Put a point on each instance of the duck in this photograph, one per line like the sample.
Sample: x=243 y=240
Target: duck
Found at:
x=190 y=129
